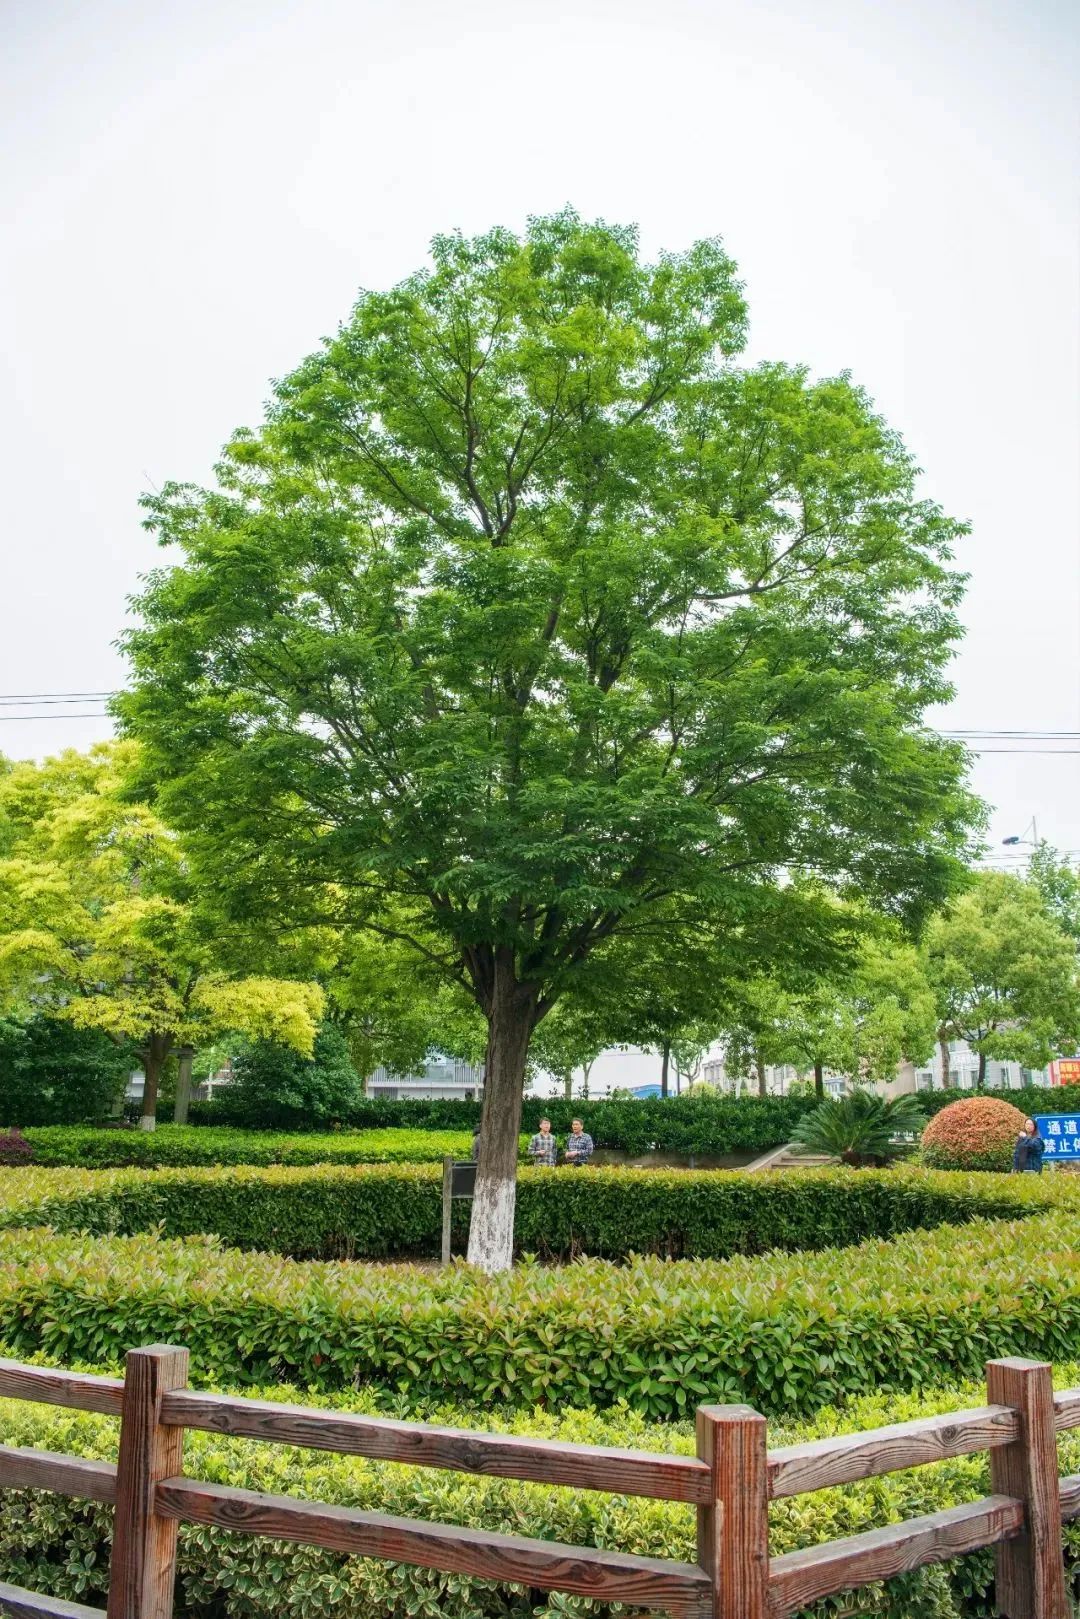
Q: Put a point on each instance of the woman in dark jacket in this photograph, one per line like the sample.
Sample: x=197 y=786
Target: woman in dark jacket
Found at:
x=1028 y=1152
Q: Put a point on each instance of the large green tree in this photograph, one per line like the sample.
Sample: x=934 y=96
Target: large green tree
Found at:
x=1004 y=971
x=526 y=610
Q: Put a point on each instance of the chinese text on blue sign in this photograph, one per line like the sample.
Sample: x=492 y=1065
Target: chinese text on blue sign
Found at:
x=1061 y=1133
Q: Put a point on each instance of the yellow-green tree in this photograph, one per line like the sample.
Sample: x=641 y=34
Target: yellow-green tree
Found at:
x=100 y=921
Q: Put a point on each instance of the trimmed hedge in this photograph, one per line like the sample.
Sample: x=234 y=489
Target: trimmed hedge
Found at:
x=379 y=1211
x=62 y=1547
x=703 y=1124
x=978 y=1132
x=785 y=1333
x=710 y=1125
x=180 y=1146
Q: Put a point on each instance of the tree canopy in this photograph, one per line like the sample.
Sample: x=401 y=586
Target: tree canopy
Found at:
x=1004 y=972
x=526 y=610
x=100 y=922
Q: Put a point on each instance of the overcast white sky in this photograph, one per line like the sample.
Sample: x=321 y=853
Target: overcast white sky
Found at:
x=192 y=195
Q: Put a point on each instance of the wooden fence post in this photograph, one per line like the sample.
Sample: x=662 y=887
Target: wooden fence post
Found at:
x=143 y=1570
x=733 y=1531
x=1030 y=1582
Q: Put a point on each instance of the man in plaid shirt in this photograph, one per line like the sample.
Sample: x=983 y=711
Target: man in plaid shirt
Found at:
x=543 y=1148
x=579 y=1144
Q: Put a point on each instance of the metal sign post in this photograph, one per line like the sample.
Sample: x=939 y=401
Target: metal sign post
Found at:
x=458 y=1181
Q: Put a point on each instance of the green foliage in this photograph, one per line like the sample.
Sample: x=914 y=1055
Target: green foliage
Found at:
x=52 y=1073
x=1030 y=1099
x=1058 y=883
x=375 y=1211
x=706 y=1124
x=278 y=1088
x=179 y=1146
x=861 y=1128
x=525 y=613
x=101 y=923
x=1004 y=971
x=61 y=1546
x=788 y=1333
x=858 y=1016
x=395 y=1010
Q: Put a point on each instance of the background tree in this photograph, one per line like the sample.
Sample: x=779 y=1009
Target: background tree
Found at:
x=99 y=922
x=866 y=1008
x=276 y=1086
x=525 y=611
x=1004 y=973
x=394 y=1011
x=1058 y=882
x=571 y=1037
x=52 y=1073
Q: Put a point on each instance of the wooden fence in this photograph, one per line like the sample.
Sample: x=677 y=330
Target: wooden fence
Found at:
x=730 y=1481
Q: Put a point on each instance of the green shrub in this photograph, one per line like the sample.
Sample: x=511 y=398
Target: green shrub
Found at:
x=1029 y=1098
x=706 y=1125
x=53 y=1073
x=378 y=1211
x=978 y=1132
x=786 y=1333
x=52 y=1544
x=178 y=1146
x=860 y=1129
x=275 y=1088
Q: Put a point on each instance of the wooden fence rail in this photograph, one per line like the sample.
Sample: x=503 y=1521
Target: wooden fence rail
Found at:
x=730 y=1482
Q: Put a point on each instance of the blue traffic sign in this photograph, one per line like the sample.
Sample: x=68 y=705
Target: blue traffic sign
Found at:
x=1061 y=1133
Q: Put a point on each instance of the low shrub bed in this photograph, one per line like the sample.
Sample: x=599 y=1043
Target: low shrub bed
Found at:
x=382 y=1211
x=62 y=1547
x=787 y=1332
x=182 y=1146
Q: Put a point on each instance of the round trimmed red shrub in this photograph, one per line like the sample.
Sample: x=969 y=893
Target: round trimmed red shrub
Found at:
x=978 y=1133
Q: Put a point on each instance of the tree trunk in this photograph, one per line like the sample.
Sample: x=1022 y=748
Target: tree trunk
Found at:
x=943 y=1048
x=568 y=1084
x=762 y=1082
x=664 y=1066
x=511 y=1013
x=981 y=1080
x=153 y=1055
x=186 y=1057
x=586 y=1070
x=819 y=1081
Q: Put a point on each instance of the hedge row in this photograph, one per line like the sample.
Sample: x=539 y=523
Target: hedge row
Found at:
x=382 y=1211
x=62 y=1547
x=690 y=1124
x=172 y=1144
x=789 y=1333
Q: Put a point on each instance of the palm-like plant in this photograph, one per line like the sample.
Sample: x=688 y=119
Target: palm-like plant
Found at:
x=861 y=1128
